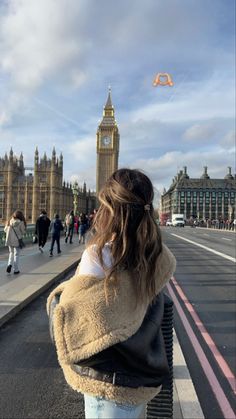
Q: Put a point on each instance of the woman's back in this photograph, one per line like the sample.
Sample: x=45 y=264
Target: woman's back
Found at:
x=108 y=323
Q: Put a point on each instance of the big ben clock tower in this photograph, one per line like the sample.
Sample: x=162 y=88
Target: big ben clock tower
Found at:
x=107 y=145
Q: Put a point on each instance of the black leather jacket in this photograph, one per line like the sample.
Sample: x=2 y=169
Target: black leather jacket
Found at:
x=139 y=361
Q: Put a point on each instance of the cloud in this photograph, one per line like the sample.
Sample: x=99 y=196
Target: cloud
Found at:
x=161 y=170
x=228 y=141
x=190 y=101
x=36 y=42
x=56 y=62
x=199 y=132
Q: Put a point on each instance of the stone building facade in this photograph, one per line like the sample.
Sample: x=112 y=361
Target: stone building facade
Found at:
x=42 y=188
x=202 y=198
x=108 y=139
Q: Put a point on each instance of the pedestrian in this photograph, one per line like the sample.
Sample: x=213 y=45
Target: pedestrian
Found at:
x=77 y=224
x=92 y=216
x=41 y=229
x=70 y=221
x=107 y=324
x=14 y=229
x=55 y=227
x=83 y=223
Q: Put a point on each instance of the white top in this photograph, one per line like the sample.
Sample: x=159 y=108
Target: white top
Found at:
x=90 y=263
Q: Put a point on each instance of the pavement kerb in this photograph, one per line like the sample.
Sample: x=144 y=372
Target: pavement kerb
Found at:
x=186 y=403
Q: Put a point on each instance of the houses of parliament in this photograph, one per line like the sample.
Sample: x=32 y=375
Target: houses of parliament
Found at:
x=42 y=187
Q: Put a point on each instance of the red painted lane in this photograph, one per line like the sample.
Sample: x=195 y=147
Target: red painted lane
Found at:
x=226 y=409
x=211 y=344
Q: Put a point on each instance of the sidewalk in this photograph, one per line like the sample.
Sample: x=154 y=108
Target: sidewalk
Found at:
x=39 y=272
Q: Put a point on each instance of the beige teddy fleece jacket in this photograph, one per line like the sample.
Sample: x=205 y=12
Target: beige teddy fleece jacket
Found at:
x=84 y=324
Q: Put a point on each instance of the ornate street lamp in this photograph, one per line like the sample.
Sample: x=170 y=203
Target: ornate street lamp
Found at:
x=75 y=190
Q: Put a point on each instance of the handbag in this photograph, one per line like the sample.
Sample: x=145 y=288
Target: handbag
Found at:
x=35 y=239
x=20 y=241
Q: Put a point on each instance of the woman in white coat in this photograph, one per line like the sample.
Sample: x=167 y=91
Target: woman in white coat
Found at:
x=14 y=229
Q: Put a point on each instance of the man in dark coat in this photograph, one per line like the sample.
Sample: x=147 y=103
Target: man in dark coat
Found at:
x=56 y=227
x=41 y=229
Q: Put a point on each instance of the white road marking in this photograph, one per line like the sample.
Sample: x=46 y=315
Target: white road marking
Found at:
x=206 y=248
x=224 y=238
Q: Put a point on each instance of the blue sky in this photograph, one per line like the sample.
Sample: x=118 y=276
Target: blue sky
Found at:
x=58 y=57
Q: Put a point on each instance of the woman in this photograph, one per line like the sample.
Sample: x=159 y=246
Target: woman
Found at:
x=14 y=229
x=70 y=224
x=107 y=325
x=83 y=222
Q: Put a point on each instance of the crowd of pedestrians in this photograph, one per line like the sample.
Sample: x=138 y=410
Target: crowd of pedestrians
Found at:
x=15 y=229
x=216 y=224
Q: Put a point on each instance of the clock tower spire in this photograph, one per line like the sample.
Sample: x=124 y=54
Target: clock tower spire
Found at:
x=108 y=139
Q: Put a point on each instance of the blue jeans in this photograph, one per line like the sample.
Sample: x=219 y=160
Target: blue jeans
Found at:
x=98 y=407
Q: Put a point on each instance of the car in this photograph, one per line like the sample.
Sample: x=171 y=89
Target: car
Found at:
x=169 y=223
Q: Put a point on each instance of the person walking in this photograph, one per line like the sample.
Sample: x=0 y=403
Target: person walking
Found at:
x=83 y=223
x=55 y=228
x=14 y=229
x=107 y=324
x=70 y=221
x=41 y=229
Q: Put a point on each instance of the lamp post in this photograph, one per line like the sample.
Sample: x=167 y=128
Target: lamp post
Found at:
x=75 y=190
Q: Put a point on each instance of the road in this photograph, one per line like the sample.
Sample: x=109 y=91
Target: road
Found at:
x=32 y=385
x=204 y=295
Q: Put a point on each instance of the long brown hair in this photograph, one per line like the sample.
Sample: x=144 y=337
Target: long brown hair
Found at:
x=126 y=217
x=18 y=215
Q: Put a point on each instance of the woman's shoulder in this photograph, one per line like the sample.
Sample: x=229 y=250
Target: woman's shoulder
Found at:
x=90 y=263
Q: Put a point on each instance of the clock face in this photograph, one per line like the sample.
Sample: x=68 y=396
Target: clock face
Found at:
x=106 y=140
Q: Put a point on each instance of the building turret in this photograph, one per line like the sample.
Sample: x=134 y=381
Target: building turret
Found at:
x=108 y=109
x=229 y=174
x=185 y=173
x=10 y=185
x=54 y=155
x=35 y=198
x=11 y=155
x=60 y=165
x=21 y=161
x=205 y=174
x=36 y=156
x=107 y=144
x=53 y=185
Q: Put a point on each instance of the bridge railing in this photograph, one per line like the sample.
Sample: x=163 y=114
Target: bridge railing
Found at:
x=28 y=236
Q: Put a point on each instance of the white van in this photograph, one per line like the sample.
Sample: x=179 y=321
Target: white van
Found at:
x=178 y=220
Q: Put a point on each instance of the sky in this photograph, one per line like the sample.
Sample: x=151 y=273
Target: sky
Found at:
x=58 y=58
